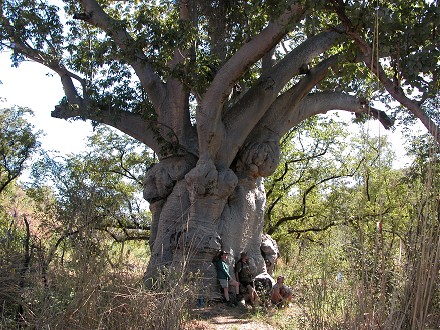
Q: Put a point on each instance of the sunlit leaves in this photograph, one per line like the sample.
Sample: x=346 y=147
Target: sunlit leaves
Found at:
x=403 y=35
x=313 y=160
x=34 y=23
x=99 y=190
x=18 y=142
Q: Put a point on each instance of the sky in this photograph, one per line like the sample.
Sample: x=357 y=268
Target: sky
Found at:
x=32 y=85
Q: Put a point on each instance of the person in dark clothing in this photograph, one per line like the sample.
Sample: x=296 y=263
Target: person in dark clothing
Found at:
x=244 y=276
x=224 y=277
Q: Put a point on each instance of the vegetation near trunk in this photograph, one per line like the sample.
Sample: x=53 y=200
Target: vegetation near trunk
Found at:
x=212 y=86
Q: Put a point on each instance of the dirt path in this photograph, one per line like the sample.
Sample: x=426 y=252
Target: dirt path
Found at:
x=222 y=317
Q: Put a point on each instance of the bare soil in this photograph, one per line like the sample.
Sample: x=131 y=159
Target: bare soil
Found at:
x=221 y=317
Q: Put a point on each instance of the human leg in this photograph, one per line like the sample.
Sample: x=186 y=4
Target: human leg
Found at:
x=236 y=284
x=286 y=293
x=226 y=293
x=225 y=287
x=254 y=296
x=276 y=297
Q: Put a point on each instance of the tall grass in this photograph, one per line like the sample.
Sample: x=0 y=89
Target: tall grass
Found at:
x=412 y=304
x=381 y=285
x=89 y=294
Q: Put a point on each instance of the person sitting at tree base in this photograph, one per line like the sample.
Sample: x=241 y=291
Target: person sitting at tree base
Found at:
x=280 y=294
x=244 y=276
x=224 y=277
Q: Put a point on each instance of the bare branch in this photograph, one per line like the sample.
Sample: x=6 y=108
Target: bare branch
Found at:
x=312 y=229
x=302 y=208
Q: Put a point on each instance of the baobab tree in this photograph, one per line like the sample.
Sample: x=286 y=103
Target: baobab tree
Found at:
x=212 y=85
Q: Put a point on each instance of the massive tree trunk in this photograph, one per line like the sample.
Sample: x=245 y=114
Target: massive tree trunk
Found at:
x=198 y=210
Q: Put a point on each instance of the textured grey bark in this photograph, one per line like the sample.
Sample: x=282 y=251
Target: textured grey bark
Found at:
x=199 y=210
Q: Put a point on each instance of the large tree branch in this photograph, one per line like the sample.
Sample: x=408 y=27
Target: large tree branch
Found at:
x=245 y=114
x=319 y=103
x=162 y=138
x=266 y=90
x=392 y=87
x=269 y=129
x=398 y=94
x=131 y=124
x=170 y=100
x=175 y=107
x=247 y=55
x=95 y=15
x=210 y=127
x=268 y=61
x=54 y=65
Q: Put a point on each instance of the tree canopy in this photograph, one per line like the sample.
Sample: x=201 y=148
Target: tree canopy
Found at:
x=234 y=68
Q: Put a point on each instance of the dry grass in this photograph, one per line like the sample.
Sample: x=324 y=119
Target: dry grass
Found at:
x=95 y=298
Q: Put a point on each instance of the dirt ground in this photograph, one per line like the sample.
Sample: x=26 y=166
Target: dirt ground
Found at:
x=221 y=317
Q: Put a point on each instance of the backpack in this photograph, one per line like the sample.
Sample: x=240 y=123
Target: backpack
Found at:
x=215 y=260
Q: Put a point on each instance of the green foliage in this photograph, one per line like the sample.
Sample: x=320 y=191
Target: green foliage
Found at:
x=36 y=22
x=75 y=240
x=314 y=159
x=85 y=280
x=18 y=143
x=98 y=191
x=403 y=34
x=380 y=255
x=335 y=206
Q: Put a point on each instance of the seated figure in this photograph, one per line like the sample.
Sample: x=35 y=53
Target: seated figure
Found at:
x=244 y=276
x=280 y=293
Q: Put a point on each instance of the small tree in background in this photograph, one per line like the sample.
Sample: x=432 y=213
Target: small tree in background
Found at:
x=18 y=142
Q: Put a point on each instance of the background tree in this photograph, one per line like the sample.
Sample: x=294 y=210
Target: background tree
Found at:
x=18 y=142
x=94 y=194
x=212 y=86
x=382 y=219
x=314 y=158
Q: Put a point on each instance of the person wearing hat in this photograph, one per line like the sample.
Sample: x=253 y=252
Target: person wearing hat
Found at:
x=244 y=276
x=280 y=292
x=224 y=277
